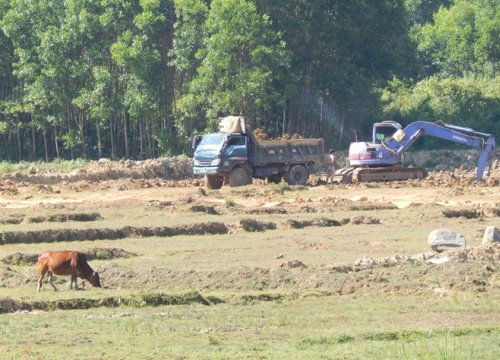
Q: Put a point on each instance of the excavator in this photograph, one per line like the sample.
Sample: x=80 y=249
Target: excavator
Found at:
x=382 y=159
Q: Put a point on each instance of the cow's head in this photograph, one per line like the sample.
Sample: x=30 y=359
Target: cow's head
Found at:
x=94 y=279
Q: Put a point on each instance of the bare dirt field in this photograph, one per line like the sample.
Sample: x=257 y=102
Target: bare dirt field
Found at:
x=172 y=238
x=308 y=231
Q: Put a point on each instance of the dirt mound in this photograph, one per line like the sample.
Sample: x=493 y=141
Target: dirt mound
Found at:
x=323 y=222
x=107 y=254
x=81 y=217
x=174 y=168
x=473 y=270
x=60 y=235
x=293 y=264
x=20 y=259
x=472 y=213
x=446 y=169
x=484 y=254
x=8 y=305
x=91 y=254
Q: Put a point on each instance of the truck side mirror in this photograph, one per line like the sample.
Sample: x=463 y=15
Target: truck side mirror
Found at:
x=195 y=141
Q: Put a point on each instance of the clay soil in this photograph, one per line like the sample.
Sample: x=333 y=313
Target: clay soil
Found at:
x=172 y=235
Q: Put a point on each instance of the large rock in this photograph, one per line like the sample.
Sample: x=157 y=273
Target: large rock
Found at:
x=491 y=235
x=442 y=239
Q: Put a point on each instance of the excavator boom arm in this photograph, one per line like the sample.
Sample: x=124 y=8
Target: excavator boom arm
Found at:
x=458 y=134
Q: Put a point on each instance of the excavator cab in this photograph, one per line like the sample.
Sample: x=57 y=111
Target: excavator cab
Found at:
x=370 y=154
x=384 y=130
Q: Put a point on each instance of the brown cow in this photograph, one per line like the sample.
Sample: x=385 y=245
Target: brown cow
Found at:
x=71 y=263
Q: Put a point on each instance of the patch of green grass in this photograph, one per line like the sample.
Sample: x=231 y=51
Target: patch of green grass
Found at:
x=253 y=225
x=64 y=166
x=432 y=162
x=312 y=328
x=229 y=202
x=281 y=187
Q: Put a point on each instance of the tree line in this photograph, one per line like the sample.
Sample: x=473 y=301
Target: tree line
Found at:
x=136 y=78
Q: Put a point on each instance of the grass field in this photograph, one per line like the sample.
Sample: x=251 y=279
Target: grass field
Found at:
x=292 y=291
x=319 y=327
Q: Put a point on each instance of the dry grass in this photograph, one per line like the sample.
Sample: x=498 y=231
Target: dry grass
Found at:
x=259 y=304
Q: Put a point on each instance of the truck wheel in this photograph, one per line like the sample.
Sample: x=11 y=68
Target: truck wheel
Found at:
x=297 y=175
x=239 y=177
x=213 y=182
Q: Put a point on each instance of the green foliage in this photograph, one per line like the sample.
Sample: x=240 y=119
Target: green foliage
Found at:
x=464 y=38
x=163 y=139
x=71 y=140
x=240 y=60
x=281 y=187
x=136 y=78
x=147 y=298
x=471 y=102
x=189 y=35
x=421 y=12
x=253 y=225
x=60 y=165
x=229 y=202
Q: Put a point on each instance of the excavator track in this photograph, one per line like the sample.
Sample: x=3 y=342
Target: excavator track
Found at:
x=369 y=174
x=343 y=176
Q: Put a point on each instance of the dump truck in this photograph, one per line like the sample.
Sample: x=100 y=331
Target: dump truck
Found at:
x=235 y=157
x=382 y=159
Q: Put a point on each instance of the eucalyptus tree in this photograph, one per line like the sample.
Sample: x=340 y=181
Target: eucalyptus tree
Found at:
x=241 y=61
x=342 y=50
x=422 y=12
x=6 y=57
x=25 y=24
x=8 y=107
x=141 y=50
x=464 y=39
x=52 y=41
x=468 y=101
x=189 y=37
x=69 y=51
x=460 y=47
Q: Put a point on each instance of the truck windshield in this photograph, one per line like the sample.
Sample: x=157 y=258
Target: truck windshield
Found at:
x=213 y=140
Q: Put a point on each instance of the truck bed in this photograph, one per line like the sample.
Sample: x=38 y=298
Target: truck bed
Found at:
x=288 y=151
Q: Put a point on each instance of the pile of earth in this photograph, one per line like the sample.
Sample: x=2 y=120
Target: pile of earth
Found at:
x=91 y=254
x=487 y=255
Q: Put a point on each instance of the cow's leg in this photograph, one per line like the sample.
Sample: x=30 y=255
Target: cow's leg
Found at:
x=51 y=280
x=74 y=279
x=40 y=279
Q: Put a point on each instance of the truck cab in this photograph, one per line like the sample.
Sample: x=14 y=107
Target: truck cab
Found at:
x=216 y=153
